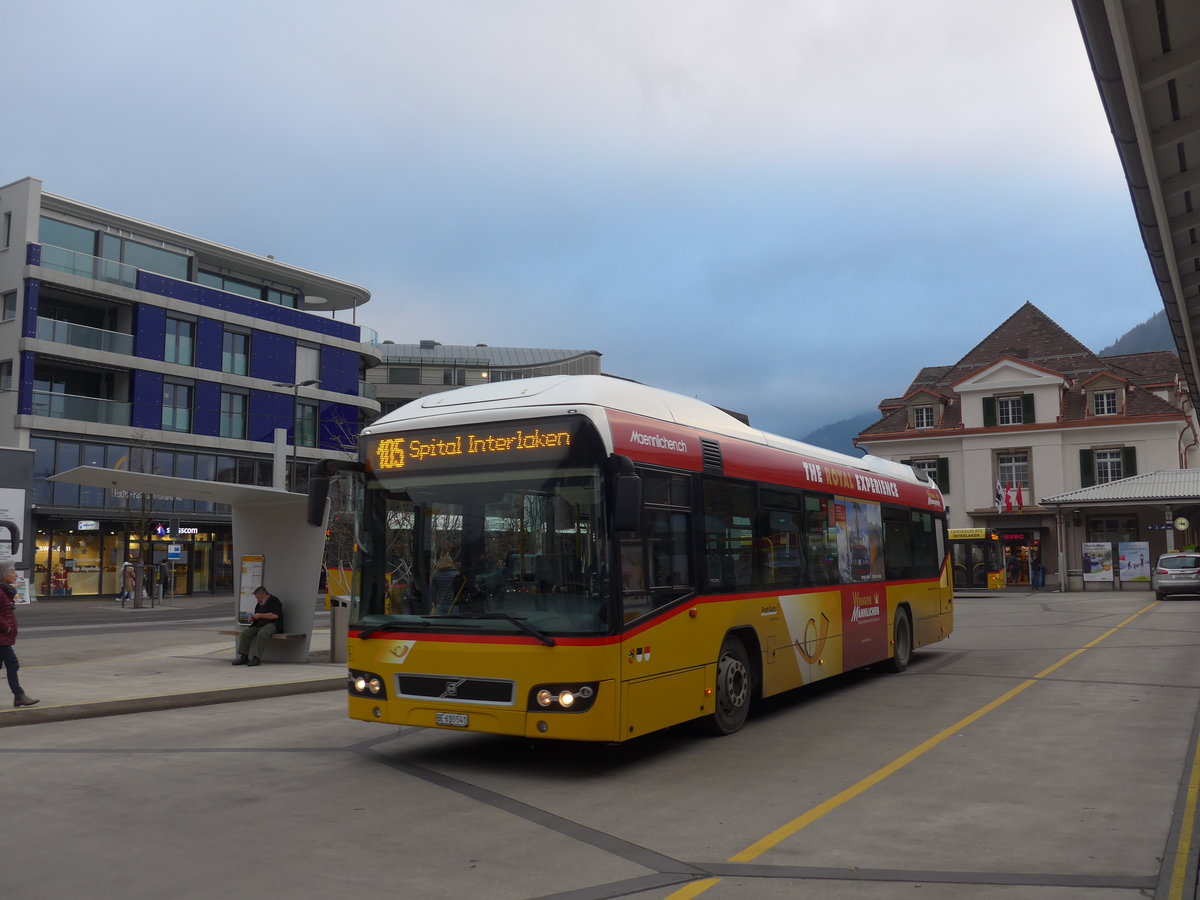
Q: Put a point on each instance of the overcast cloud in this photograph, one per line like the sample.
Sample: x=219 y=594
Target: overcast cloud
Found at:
x=785 y=208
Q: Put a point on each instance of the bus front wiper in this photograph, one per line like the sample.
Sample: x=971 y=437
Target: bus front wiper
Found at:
x=516 y=620
x=390 y=626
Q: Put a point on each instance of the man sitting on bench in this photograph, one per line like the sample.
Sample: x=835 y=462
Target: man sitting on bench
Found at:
x=266 y=620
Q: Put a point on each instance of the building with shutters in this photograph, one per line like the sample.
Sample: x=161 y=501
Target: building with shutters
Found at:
x=1031 y=413
x=129 y=345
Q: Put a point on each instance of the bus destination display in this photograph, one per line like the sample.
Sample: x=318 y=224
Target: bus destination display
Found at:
x=451 y=448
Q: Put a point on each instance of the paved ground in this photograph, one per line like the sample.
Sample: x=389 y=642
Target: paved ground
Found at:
x=84 y=658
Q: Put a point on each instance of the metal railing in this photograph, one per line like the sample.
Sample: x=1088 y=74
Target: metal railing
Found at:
x=73 y=262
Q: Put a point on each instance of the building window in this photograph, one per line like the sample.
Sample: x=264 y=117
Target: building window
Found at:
x=7 y=229
x=10 y=306
x=6 y=375
x=404 y=374
x=1112 y=530
x=1108 y=466
x=1008 y=411
x=230 y=285
x=305 y=434
x=451 y=375
x=233 y=414
x=1013 y=469
x=923 y=417
x=235 y=352
x=1104 y=403
x=938 y=471
x=177 y=407
x=181 y=340
x=282 y=298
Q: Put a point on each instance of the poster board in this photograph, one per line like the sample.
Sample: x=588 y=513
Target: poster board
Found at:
x=12 y=517
x=250 y=577
x=1097 y=561
x=1134 y=557
x=25 y=589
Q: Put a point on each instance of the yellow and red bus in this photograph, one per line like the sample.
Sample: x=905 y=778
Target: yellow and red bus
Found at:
x=586 y=558
x=977 y=559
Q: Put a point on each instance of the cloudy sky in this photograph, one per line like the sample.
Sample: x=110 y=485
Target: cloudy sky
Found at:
x=784 y=207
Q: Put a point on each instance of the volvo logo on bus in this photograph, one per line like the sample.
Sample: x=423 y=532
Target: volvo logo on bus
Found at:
x=452 y=687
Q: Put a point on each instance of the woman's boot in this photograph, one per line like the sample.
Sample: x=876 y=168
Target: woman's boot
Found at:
x=24 y=700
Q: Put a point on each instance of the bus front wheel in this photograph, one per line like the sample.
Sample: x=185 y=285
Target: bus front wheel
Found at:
x=735 y=688
x=902 y=642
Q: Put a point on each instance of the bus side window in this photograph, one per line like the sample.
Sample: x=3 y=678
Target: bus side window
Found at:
x=635 y=601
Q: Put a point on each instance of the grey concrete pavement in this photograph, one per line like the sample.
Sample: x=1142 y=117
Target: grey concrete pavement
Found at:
x=84 y=658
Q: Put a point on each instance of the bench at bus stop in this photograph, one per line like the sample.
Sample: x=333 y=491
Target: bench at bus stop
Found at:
x=277 y=636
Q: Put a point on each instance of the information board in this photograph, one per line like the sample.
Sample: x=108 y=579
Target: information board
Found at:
x=251 y=576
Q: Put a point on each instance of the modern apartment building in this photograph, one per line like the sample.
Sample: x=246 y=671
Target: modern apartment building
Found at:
x=410 y=371
x=1030 y=413
x=128 y=345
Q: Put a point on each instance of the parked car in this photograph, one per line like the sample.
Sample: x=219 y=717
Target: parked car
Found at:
x=1176 y=573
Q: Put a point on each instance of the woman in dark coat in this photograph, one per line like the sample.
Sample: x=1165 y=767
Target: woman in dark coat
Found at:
x=8 y=633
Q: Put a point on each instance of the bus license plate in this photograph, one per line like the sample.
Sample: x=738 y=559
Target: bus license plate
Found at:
x=457 y=720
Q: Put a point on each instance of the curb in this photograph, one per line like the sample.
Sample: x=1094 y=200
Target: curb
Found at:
x=35 y=715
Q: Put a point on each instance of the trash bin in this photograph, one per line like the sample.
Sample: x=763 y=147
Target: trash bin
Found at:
x=339 y=625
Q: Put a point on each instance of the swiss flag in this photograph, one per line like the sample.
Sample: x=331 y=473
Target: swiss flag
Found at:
x=1020 y=501
x=1008 y=496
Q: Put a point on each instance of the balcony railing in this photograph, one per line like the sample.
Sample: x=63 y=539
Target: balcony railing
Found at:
x=80 y=409
x=366 y=389
x=75 y=263
x=84 y=336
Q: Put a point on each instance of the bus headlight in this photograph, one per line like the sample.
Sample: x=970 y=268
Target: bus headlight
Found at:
x=577 y=697
x=366 y=684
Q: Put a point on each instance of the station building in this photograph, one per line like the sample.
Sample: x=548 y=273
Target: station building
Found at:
x=128 y=345
x=410 y=371
x=1031 y=414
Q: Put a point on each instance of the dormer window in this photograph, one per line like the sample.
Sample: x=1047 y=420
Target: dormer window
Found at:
x=1008 y=411
x=923 y=417
x=1104 y=403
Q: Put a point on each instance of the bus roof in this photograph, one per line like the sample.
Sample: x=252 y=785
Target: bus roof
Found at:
x=559 y=391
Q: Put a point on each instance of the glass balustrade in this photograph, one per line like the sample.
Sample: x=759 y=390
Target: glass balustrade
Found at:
x=75 y=263
x=80 y=409
x=84 y=336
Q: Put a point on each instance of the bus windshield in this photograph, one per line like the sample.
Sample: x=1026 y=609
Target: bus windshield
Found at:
x=491 y=552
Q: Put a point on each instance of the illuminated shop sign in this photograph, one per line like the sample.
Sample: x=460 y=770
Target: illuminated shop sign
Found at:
x=510 y=443
x=87 y=525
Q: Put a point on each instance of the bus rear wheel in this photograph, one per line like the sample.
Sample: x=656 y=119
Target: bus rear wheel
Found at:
x=902 y=642
x=735 y=688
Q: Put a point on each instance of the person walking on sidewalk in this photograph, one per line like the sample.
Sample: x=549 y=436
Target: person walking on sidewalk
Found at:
x=266 y=620
x=8 y=633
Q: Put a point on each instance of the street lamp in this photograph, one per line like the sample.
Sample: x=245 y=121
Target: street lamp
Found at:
x=291 y=479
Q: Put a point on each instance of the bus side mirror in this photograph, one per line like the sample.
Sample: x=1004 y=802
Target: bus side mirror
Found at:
x=627 y=503
x=318 y=494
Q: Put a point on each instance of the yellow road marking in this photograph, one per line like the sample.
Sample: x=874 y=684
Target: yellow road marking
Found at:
x=1179 y=870
x=780 y=834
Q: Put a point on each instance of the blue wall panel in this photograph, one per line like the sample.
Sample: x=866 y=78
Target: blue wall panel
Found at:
x=272 y=357
x=25 y=383
x=209 y=338
x=146 y=396
x=258 y=309
x=206 y=408
x=269 y=410
x=29 y=314
x=338 y=428
x=339 y=371
x=149 y=333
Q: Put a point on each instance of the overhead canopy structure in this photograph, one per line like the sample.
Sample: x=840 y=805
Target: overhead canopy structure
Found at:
x=1146 y=58
x=267 y=522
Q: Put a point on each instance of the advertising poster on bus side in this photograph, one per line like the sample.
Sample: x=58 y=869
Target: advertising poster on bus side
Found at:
x=1097 y=561
x=1134 y=560
x=859 y=540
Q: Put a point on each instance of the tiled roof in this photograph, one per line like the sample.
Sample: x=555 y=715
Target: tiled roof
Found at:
x=1168 y=485
x=1031 y=336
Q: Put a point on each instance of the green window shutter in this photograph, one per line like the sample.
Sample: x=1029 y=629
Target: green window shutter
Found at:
x=943 y=474
x=1027 y=414
x=989 y=412
x=1129 y=461
x=1087 y=468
